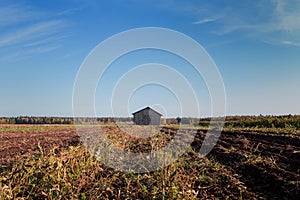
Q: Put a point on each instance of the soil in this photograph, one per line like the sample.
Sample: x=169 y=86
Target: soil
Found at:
x=16 y=145
x=267 y=163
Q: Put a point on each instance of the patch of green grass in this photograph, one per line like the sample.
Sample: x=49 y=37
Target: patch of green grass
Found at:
x=33 y=128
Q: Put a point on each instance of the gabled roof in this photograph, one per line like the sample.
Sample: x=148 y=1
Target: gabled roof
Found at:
x=147 y=108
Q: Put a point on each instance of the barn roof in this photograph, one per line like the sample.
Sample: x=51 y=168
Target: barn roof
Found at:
x=147 y=108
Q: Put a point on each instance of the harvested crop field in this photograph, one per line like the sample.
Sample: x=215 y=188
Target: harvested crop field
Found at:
x=48 y=161
x=17 y=140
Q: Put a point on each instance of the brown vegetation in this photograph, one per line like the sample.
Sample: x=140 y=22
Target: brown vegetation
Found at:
x=40 y=161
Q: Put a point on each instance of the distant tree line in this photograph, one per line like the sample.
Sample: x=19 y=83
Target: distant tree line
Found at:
x=61 y=120
x=36 y=120
x=284 y=121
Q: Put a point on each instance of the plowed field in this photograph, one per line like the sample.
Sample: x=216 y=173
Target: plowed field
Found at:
x=17 y=140
x=266 y=163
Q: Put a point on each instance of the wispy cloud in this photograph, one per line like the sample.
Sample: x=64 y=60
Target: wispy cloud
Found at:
x=14 y=14
x=45 y=40
x=67 y=12
x=31 y=33
x=23 y=54
x=286 y=42
x=207 y=20
x=275 y=20
x=288 y=15
x=27 y=31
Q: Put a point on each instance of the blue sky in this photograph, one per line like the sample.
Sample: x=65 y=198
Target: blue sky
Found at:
x=255 y=45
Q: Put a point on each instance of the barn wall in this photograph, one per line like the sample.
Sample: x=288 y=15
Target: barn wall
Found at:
x=147 y=117
x=142 y=117
x=155 y=118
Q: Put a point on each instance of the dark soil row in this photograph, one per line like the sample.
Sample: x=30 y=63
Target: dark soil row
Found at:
x=268 y=164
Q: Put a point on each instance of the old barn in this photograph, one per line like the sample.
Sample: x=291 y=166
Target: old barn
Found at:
x=146 y=116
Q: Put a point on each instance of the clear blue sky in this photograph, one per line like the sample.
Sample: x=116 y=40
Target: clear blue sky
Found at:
x=255 y=45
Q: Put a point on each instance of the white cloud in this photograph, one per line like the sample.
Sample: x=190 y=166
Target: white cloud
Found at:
x=277 y=21
x=288 y=16
x=13 y=14
x=26 y=31
x=36 y=31
x=22 y=54
x=206 y=20
x=44 y=41
x=266 y=20
x=286 y=42
x=67 y=12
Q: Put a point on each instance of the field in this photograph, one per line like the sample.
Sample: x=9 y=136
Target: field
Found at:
x=49 y=161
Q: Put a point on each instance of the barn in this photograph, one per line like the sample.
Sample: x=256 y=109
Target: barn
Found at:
x=146 y=116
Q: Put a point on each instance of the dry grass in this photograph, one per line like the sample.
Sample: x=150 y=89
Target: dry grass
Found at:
x=74 y=174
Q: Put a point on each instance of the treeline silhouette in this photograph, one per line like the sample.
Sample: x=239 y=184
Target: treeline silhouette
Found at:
x=60 y=120
x=283 y=121
x=270 y=121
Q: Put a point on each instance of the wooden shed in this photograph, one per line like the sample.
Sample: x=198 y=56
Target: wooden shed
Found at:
x=146 y=116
